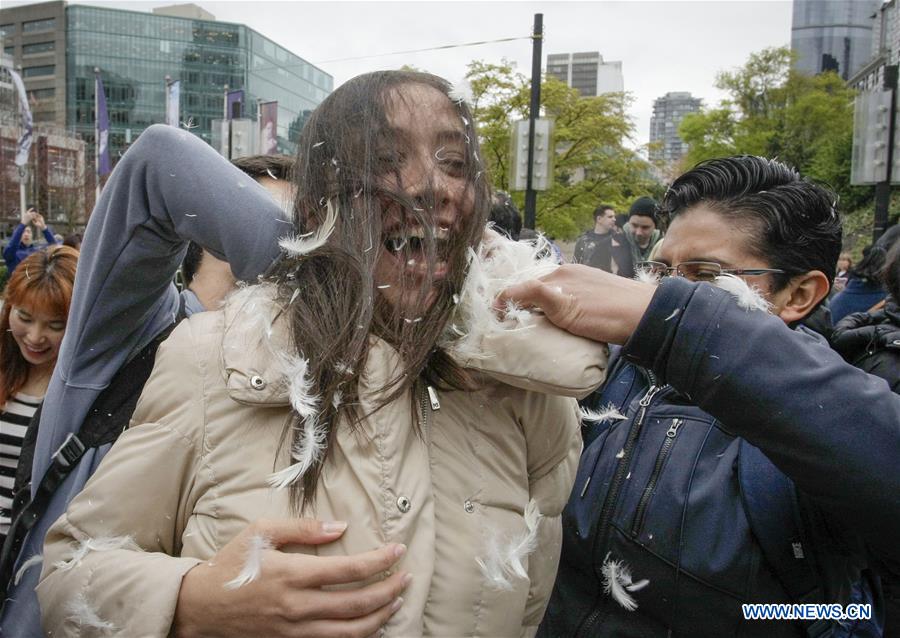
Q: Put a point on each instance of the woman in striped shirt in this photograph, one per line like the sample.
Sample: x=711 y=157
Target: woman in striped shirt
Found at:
x=32 y=325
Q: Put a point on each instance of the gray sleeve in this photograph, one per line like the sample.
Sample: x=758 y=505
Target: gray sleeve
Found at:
x=170 y=187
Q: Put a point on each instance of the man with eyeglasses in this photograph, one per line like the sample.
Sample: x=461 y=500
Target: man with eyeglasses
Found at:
x=731 y=456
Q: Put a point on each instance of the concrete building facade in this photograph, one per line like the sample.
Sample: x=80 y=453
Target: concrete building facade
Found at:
x=668 y=111
x=587 y=72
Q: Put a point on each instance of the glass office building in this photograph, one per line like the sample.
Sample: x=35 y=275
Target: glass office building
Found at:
x=833 y=35
x=135 y=52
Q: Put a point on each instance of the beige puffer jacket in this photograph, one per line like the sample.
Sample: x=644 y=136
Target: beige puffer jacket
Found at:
x=191 y=473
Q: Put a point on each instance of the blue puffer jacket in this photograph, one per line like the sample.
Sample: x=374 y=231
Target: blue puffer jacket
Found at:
x=721 y=406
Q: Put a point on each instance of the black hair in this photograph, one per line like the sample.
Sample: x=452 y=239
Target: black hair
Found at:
x=602 y=208
x=191 y=262
x=505 y=215
x=792 y=222
x=891 y=273
x=644 y=207
x=259 y=166
x=874 y=260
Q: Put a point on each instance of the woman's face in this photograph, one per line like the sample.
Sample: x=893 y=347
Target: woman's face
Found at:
x=26 y=236
x=843 y=264
x=38 y=335
x=426 y=155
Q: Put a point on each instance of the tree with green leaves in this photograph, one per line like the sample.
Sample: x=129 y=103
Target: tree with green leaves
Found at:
x=775 y=111
x=592 y=163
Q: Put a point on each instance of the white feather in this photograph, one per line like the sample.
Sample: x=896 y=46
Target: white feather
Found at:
x=504 y=560
x=295 y=370
x=306 y=452
x=303 y=245
x=748 y=297
x=609 y=413
x=498 y=264
x=253 y=562
x=99 y=544
x=617 y=582
x=646 y=276
x=37 y=559
x=80 y=611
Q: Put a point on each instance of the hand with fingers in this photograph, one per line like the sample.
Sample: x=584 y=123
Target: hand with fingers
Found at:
x=39 y=221
x=288 y=598
x=585 y=301
x=28 y=216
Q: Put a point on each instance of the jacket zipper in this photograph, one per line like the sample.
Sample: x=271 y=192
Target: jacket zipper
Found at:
x=613 y=494
x=669 y=441
x=427 y=397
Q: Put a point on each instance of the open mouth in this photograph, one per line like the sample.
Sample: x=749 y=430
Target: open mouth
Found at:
x=409 y=248
x=36 y=351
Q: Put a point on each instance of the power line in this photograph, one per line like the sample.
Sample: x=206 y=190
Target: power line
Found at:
x=446 y=46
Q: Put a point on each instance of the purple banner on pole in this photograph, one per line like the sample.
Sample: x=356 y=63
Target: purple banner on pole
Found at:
x=25 y=140
x=234 y=104
x=104 y=166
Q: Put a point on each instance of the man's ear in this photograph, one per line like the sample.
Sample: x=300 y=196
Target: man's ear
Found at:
x=796 y=300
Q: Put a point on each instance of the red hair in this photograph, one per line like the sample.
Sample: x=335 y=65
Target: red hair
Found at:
x=43 y=282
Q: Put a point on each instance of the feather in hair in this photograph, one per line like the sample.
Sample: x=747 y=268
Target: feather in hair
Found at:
x=305 y=244
x=306 y=452
x=295 y=369
x=256 y=545
x=646 y=276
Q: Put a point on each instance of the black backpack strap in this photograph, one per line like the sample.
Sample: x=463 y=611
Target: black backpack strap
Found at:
x=770 y=502
x=106 y=420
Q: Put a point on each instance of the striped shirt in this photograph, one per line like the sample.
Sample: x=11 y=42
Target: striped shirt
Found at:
x=14 y=420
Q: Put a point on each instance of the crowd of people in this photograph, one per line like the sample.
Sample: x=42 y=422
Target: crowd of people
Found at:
x=379 y=404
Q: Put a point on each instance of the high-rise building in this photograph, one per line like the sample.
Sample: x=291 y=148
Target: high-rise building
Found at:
x=833 y=35
x=668 y=111
x=58 y=47
x=587 y=72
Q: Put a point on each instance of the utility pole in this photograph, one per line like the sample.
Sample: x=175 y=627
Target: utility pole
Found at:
x=883 y=188
x=537 y=38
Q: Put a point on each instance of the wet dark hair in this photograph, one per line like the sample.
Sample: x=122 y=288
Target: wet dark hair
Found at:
x=351 y=160
x=792 y=223
x=274 y=166
x=602 y=208
x=505 y=215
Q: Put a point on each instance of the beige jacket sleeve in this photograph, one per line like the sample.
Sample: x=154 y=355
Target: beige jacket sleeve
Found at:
x=110 y=562
x=543 y=358
x=552 y=427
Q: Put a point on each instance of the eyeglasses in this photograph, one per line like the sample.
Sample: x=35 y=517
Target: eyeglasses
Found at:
x=700 y=270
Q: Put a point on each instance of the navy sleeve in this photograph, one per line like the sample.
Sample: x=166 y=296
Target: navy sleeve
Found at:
x=832 y=428
x=48 y=235
x=9 y=253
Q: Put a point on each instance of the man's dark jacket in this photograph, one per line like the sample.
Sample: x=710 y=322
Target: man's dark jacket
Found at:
x=871 y=342
x=735 y=402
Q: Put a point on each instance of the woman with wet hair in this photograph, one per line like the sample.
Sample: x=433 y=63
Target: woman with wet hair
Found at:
x=368 y=382
x=32 y=325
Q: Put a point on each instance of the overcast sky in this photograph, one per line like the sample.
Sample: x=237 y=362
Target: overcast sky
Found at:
x=664 y=45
